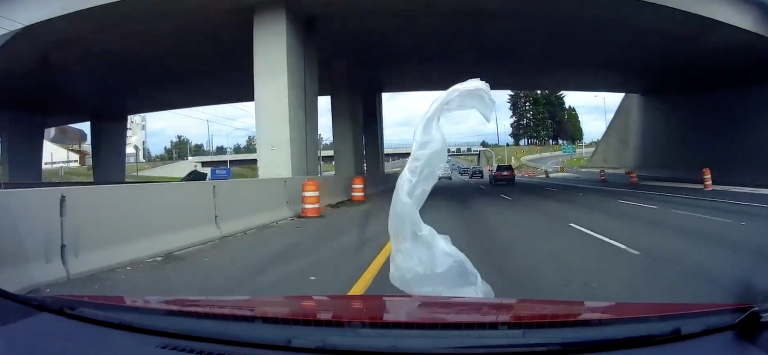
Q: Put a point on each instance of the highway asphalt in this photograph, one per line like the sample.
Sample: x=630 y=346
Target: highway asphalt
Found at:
x=541 y=238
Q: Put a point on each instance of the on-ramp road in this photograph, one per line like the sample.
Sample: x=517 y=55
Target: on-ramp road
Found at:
x=547 y=239
x=554 y=161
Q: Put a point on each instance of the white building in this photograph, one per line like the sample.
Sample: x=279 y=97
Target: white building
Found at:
x=135 y=138
x=68 y=146
x=62 y=147
x=56 y=155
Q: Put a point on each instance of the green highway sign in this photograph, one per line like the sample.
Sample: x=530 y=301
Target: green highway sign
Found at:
x=568 y=149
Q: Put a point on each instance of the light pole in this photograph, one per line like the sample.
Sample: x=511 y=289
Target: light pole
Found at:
x=218 y=135
x=230 y=132
x=498 y=141
x=228 y=147
x=605 y=111
x=583 y=147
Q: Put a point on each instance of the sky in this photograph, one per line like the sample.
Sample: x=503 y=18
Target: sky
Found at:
x=233 y=123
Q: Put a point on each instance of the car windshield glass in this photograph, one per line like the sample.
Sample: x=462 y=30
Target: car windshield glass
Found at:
x=233 y=149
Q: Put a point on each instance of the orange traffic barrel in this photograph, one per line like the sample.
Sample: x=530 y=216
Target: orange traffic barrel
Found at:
x=707 y=179
x=310 y=198
x=602 y=176
x=633 y=177
x=358 y=189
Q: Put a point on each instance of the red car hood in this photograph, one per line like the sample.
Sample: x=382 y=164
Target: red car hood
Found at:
x=416 y=309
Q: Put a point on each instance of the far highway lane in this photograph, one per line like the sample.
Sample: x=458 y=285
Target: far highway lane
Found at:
x=537 y=239
x=541 y=240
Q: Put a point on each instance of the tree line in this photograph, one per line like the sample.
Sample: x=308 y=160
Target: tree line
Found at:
x=181 y=148
x=541 y=118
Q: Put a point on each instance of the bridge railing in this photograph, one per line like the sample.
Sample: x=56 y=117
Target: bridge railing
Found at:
x=410 y=145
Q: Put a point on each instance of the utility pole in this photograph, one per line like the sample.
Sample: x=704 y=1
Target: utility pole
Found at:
x=210 y=143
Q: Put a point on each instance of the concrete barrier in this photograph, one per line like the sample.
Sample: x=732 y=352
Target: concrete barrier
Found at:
x=30 y=239
x=48 y=235
x=293 y=193
x=380 y=183
x=245 y=204
x=108 y=226
x=334 y=189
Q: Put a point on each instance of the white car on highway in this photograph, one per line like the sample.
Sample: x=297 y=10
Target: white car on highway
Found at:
x=445 y=174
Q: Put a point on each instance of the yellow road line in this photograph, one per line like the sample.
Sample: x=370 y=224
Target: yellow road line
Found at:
x=365 y=280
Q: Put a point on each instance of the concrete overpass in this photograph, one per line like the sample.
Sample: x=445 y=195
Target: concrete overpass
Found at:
x=678 y=59
x=217 y=161
x=106 y=62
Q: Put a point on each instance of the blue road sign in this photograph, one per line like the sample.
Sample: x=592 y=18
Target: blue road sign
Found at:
x=569 y=149
x=221 y=173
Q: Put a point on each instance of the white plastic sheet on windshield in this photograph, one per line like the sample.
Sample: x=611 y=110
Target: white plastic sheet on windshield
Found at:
x=424 y=262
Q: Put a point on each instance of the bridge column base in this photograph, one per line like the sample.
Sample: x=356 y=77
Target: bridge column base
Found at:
x=285 y=94
x=347 y=114
x=675 y=136
x=373 y=132
x=22 y=147
x=108 y=148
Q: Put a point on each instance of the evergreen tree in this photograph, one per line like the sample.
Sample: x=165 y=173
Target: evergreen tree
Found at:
x=541 y=117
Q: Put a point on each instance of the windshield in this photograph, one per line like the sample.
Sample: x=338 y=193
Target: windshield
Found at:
x=308 y=150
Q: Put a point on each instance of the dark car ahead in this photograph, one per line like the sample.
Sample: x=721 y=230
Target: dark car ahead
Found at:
x=502 y=173
x=476 y=172
x=463 y=170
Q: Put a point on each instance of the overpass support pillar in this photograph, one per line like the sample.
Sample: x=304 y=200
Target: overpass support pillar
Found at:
x=373 y=132
x=675 y=135
x=285 y=94
x=22 y=147
x=108 y=148
x=347 y=115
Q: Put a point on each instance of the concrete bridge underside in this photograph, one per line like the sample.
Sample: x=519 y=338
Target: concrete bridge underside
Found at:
x=676 y=136
x=103 y=63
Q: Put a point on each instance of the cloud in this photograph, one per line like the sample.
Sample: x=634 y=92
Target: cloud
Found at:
x=402 y=111
x=592 y=112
